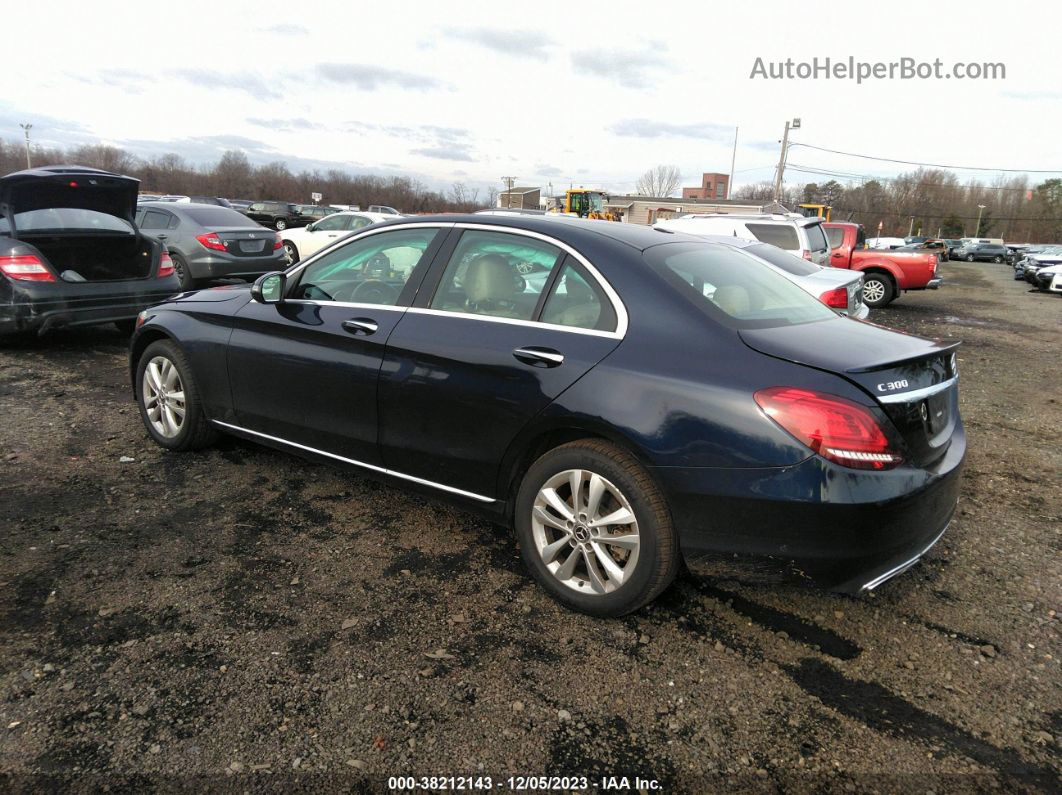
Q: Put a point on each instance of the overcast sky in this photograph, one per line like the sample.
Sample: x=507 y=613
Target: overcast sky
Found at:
x=589 y=93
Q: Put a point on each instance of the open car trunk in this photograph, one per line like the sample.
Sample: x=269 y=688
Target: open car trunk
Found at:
x=95 y=257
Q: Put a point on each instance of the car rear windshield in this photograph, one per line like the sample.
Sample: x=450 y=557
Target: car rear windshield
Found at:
x=218 y=217
x=790 y=263
x=781 y=235
x=65 y=219
x=734 y=288
x=816 y=239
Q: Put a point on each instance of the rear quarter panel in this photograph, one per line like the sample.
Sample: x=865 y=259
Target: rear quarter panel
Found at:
x=911 y=271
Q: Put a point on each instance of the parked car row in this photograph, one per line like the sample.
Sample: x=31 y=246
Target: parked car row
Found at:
x=1040 y=266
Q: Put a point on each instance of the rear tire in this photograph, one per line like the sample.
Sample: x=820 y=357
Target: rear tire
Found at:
x=169 y=400
x=182 y=272
x=997 y=259
x=878 y=290
x=969 y=257
x=577 y=561
x=291 y=251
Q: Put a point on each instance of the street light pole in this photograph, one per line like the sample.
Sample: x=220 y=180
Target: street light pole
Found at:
x=733 y=158
x=910 y=229
x=26 y=128
x=980 y=209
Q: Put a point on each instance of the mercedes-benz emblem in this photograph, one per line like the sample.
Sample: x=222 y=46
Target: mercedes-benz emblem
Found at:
x=924 y=409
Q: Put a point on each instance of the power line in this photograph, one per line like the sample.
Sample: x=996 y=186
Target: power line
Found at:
x=850 y=175
x=928 y=165
x=993 y=218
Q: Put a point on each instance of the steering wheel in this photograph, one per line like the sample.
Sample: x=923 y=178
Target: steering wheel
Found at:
x=374 y=291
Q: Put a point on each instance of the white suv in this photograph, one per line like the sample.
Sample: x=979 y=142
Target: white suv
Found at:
x=795 y=233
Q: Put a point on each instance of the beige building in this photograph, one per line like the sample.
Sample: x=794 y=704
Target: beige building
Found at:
x=520 y=198
x=649 y=209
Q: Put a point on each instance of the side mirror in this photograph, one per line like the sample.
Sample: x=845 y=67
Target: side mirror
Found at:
x=310 y=227
x=269 y=289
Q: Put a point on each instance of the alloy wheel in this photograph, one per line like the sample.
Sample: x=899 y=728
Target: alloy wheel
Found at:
x=281 y=225
x=586 y=532
x=163 y=396
x=873 y=291
x=289 y=252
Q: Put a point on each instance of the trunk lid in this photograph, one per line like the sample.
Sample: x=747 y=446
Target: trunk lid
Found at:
x=913 y=380
x=246 y=241
x=75 y=187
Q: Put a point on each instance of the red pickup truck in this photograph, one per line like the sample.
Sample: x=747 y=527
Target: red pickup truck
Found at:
x=886 y=273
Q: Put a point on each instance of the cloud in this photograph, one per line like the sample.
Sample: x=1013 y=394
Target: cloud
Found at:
x=285 y=125
x=651 y=128
x=517 y=43
x=458 y=152
x=370 y=78
x=629 y=69
x=544 y=170
x=286 y=29
x=236 y=81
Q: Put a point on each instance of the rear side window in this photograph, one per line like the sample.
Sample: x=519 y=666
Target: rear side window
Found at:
x=781 y=235
x=734 y=288
x=218 y=217
x=816 y=239
x=835 y=236
x=790 y=263
x=578 y=301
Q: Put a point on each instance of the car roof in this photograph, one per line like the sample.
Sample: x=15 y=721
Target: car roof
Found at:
x=565 y=228
x=762 y=218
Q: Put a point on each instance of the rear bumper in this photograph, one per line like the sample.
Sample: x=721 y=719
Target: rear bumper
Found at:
x=839 y=528
x=207 y=266
x=30 y=306
x=933 y=284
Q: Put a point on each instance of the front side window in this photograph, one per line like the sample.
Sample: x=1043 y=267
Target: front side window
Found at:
x=334 y=223
x=370 y=270
x=359 y=221
x=733 y=288
x=496 y=274
x=578 y=301
x=154 y=219
x=781 y=235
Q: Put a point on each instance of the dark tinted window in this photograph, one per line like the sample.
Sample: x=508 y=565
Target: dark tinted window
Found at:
x=781 y=235
x=734 y=288
x=790 y=263
x=218 y=217
x=155 y=219
x=578 y=301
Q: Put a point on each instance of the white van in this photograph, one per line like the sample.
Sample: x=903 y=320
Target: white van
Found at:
x=802 y=236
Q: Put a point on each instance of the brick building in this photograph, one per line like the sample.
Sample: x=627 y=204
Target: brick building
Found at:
x=713 y=187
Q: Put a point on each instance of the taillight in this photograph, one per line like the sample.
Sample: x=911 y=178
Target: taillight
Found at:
x=26 y=268
x=212 y=242
x=278 y=242
x=835 y=299
x=165 y=265
x=837 y=429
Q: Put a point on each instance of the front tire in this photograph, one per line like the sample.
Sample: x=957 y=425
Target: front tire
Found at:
x=595 y=530
x=997 y=259
x=291 y=252
x=878 y=290
x=969 y=257
x=169 y=400
x=280 y=224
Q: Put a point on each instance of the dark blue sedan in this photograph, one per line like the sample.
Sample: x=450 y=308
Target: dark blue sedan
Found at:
x=627 y=398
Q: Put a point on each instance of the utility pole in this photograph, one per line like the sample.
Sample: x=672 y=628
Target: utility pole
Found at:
x=795 y=125
x=733 y=157
x=26 y=128
x=509 y=190
x=910 y=229
x=980 y=209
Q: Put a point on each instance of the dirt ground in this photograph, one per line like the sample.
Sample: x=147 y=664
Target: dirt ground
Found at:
x=240 y=618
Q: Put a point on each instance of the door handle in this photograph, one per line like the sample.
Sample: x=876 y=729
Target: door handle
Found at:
x=360 y=325
x=539 y=356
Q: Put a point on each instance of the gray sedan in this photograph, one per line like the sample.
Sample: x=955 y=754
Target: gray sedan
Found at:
x=209 y=242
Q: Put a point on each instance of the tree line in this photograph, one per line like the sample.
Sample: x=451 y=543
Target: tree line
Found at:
x=933 y=202
x=233 y=176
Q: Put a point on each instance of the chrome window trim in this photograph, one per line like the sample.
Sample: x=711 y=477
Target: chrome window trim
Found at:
x=346 y=304
x=622 y=320
x=918 y=394
x=372 y=467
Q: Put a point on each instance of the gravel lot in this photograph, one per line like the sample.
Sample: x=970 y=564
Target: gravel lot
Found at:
x=240 y=618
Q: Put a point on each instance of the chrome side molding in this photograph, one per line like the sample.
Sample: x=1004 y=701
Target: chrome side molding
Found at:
x=362 y=464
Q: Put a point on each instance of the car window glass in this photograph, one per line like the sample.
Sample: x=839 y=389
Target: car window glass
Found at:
x=153 y=219
x=816 y=239
x=781 y=235
x=790 y=263
x=359 y=222
x=332 y=224
x=835 y=236
x=496 y=274
x=218 y=217
x=59 y=219
x=577 y=300
x=736 y=292
x=372 y=270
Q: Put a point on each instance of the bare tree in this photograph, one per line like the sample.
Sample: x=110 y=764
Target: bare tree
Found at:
x=659 y=181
